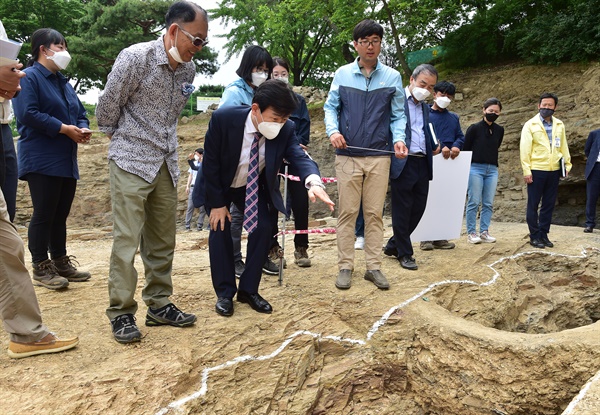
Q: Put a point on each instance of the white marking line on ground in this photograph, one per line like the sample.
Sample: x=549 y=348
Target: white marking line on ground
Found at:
x=581 y=395
x=177 y=405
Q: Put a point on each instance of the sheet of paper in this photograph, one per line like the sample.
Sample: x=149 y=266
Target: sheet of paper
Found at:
x=446 y=200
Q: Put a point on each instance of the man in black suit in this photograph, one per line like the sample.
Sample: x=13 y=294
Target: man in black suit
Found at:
x=410 y=175
x=592 y=178
x=234 y=135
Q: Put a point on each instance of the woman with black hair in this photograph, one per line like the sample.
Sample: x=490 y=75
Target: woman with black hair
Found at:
x=297 y=195
x=254 y=69
x=52 y=122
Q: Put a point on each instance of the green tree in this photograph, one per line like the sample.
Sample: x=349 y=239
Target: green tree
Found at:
x=96 y=31
x=312 y=35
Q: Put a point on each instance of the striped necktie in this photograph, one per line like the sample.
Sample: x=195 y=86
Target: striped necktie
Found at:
x=251 y=205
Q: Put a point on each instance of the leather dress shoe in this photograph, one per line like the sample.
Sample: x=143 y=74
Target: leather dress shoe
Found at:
x=588 y=229
x=224 y=306
x=390 y=251
x=537 y=243
x=408 y=262
x=256 y=302
x=547 y=242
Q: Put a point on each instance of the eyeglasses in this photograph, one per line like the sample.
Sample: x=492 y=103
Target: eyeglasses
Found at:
x=196 y=41
x=261 y=70
x=367 y=43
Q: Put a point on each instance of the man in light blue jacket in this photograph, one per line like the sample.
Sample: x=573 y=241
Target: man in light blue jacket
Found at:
x=365 y=121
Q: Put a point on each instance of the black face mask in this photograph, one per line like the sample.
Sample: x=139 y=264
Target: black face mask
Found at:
x=491 y=117
x=546 y=112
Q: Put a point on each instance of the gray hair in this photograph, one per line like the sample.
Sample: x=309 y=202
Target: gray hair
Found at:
x=424 y=68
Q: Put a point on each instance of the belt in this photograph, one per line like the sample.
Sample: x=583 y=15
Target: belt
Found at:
x=417 y=155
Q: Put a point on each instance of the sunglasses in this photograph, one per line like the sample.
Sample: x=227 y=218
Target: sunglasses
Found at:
x=196 y=41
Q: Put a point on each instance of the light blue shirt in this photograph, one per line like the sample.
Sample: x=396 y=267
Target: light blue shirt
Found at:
x=548 y=127
x=237 y=93
x=415 y=111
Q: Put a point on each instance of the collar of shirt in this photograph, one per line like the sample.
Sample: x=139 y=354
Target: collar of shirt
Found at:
x=415 y=111
x=241 y=174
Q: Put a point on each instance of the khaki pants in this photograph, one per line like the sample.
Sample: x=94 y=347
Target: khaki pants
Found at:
x=18 y=304
x=361 y=179
x=144 y=215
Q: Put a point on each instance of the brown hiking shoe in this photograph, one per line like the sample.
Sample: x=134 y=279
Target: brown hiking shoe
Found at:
x=65 y=268
x=46 y=275
x=49 y=344
x=301 y=257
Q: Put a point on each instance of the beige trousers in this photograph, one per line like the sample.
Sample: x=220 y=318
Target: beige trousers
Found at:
x=18 y=304
x=361 y=179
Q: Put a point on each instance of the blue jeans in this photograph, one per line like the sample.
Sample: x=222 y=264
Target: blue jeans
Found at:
x=483 y=179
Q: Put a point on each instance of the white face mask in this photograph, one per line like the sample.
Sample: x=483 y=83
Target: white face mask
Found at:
x=196 y=157
x=61 y=59
x=258 y=78
x=443 y=102
x=269 y=129
x=284 y=79
x=419 y=93
x=174 y=52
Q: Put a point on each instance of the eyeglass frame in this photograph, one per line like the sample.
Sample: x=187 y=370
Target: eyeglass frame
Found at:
x=258 y=69
x=194 y=39
x=366 y=43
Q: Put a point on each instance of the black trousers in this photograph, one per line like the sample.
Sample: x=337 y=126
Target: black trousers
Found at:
x=544 y=188
x=593 y=192
x=409 y=198
x=52 y=198
x=220 y=246
x=298 y=196
x=8 y=165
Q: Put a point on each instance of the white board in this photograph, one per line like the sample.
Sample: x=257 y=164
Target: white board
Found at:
x=443 y=215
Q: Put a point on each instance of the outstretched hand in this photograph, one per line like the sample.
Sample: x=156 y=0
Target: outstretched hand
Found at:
x=318 y=192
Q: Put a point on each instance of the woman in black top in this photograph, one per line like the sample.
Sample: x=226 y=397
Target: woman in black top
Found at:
x=483 y=139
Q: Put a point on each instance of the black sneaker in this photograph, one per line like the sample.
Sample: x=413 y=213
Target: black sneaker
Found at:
x=169 y=315
x=240 y=267
x=269 y=267
x=124 y=329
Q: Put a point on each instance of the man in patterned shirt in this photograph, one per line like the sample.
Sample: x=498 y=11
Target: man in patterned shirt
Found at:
x=146 y=90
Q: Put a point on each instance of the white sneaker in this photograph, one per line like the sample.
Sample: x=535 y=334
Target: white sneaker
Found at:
x=360 y=243
x=473 y=238
x=486 y=237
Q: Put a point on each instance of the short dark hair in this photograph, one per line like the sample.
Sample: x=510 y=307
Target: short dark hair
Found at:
x=445 y=87
x=366 y=28
x=549 y=95
x=492 y=101
x=44 y=37
x=277 y=95
x=253 y=56
x=199 y=150
x=183 y=12
x=424 y=67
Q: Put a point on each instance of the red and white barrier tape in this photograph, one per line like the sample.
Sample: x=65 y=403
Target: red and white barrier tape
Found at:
x=297 y=178
x=306 y=231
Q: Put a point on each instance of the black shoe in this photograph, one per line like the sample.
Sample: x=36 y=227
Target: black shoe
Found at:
x=224 y=306
x=240 y=267
x=124 y=329
x=588 y=229
x=547 y=242
x=390 y=251
x=256 y=302
x=269 y=267
x=169 y=315
x=537 y=243
x=408 y=262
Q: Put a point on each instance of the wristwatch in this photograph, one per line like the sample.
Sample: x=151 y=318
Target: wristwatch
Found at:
x=315 y=183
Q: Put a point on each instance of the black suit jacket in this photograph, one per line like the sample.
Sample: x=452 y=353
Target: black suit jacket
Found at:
x=222 y=149
x=591 y=150
x=398 y=164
